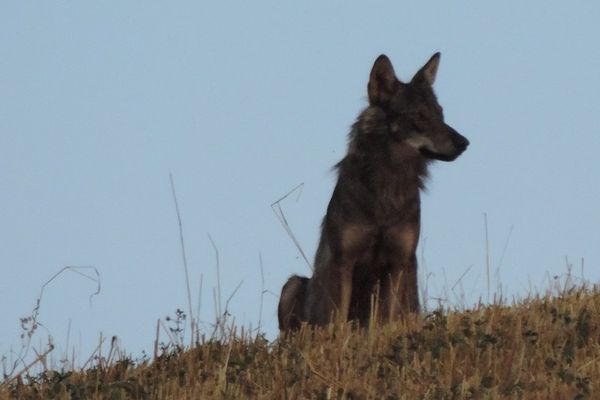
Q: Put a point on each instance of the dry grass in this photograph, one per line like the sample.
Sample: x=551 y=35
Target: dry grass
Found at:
x=545 y=348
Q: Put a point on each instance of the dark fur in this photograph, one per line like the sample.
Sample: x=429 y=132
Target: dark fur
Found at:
x=291 y=310
x=371 y=229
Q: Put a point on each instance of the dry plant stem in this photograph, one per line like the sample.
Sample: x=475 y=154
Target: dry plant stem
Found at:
x=199 y=308
x=217 y=315
x=276 y=207
x=223 y=375
x=91 y=357
x=462 y=276
x=68 y=338
x=487 y=255
x=183 y=255
x=221 y=319
x=262 y=292
x=460 y=297
x=43 y=361
x=218 y=266
x=112 y=351
x=171 y=338
x=41 y=357
x=33 y=318
x=508 y=236
x=226 y=312
x=329 y=381
x=156 y=340
x=231 y=296
x=100 y=351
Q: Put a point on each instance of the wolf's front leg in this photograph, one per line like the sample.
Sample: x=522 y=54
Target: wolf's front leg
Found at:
x=340 y=247
x=355 y=240
x=398 y=290
x=330 y=291
x=344 y=290
x=399 y=294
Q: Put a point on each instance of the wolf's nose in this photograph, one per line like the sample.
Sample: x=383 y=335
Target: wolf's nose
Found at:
x=462 y=141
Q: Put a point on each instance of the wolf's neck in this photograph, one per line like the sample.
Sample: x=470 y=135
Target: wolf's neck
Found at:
x=381 y=163
x=397 y=176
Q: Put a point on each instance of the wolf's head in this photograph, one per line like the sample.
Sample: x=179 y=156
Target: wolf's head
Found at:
x=411 y=109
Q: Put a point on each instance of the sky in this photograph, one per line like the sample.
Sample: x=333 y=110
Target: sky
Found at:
x=241 y=102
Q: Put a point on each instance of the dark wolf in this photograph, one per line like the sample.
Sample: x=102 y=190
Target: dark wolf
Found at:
x=365 y=261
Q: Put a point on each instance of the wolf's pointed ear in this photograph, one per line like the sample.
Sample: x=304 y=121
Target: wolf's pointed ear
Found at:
x=429 y=71
x=382 y=81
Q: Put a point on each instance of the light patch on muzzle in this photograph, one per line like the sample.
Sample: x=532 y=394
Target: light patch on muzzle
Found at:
x=419 y=142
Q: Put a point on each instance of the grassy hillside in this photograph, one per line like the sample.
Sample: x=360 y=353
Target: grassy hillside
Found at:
x=545 y=348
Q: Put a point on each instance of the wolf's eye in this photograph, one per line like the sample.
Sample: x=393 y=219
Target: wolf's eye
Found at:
x=422 y=117
x=419 y=125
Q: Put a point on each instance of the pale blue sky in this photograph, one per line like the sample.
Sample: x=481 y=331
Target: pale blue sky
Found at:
x=241 y=102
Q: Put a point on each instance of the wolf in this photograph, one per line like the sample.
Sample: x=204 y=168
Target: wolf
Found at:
x=365 y=266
